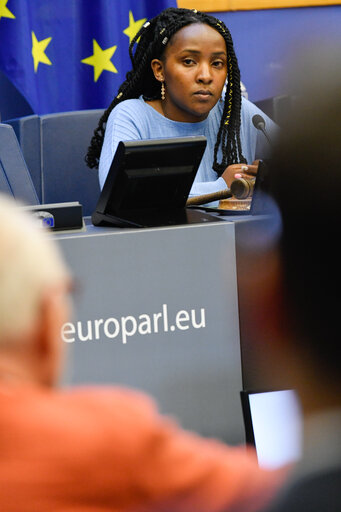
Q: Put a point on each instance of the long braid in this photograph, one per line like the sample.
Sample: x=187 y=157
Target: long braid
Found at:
x=228 y=136
x=149 y=43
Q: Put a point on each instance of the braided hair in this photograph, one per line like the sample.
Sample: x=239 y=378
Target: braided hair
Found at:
x=148 y=44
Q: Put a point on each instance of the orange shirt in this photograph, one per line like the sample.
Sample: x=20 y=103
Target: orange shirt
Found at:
x=108 y=449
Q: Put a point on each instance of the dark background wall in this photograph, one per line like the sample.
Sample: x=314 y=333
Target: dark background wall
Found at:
x=264 y=40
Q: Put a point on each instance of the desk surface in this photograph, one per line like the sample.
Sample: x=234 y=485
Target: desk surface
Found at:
x=91 y=230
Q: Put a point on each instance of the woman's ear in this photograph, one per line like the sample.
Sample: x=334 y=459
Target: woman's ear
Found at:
x=157 y=67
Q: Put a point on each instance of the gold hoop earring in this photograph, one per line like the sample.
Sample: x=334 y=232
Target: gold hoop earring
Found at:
x=163 y=91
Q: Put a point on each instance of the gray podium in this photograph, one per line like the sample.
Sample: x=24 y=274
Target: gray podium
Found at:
x=158 y=311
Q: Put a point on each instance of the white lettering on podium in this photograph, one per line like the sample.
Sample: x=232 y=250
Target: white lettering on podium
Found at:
x=68 y=330
x=128 y=326
x=202 y=319
x=145 y=327
x=125 y=331
x=108 y=333
x=181 y=317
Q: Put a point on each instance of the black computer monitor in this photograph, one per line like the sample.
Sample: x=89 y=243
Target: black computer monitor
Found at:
x=149 y=181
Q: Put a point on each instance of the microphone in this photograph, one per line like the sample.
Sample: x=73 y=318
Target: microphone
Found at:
x=259 y=124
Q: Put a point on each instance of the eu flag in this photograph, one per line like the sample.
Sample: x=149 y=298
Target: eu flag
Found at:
x=70 y=54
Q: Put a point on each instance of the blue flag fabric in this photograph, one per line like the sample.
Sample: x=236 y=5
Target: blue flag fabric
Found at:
x=70 y=54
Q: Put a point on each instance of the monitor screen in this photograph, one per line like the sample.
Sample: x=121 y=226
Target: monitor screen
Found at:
x=273 y=424
x=147 y=175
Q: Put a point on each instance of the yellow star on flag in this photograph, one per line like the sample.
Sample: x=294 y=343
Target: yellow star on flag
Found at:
x=100 y=60
x=38 y=51
x=4 y=11
x=134 y=26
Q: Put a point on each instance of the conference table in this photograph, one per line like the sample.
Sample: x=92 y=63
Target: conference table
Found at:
x=157 y=310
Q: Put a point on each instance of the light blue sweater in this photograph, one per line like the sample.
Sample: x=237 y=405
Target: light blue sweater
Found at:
x=135 y=120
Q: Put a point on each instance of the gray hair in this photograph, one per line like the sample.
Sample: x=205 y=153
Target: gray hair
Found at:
x=29 y=263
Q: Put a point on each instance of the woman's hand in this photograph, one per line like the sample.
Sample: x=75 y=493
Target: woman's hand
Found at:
x=236 y=171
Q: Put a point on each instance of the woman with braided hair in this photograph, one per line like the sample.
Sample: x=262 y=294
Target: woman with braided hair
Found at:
x=182 y=61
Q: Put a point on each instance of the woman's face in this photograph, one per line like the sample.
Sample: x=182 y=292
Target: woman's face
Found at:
x=194 y=69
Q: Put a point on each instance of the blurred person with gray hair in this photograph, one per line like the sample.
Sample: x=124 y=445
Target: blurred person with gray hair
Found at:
x=91 y=449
